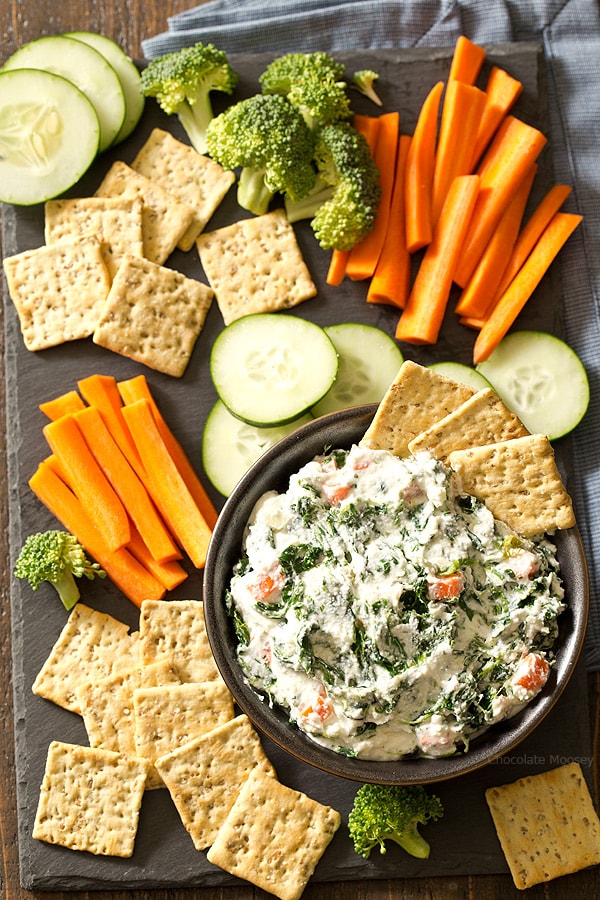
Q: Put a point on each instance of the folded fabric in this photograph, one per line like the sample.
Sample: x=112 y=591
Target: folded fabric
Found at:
x=569 y=31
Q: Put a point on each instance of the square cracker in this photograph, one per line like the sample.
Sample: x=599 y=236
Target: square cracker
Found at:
x=106 y=704
x=255 y=265
x=193 y=178
x=175 y=630
x=164 y=219
x=58 y=291
x=274 y=836
x=205 y=775
x=153 y=315
x=417 y=398
x=90 y=800
x=546 y=824
x=519 y=482
x=115 y=221
x=482 y=419
x=91 y=645
x=167 y=717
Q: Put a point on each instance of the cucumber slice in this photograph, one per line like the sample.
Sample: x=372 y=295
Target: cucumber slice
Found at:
x=541 y=379
x=86 y=68
x=270 y=368
x=230 y=446
x=369 y=360
x=128 y=74
x=49 y=136
x=462 y=373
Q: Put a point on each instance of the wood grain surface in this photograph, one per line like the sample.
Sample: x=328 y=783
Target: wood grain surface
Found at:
x=128 y=22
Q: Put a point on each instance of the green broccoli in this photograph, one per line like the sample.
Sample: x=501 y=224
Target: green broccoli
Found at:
x=364 y=81
x=343 y=203
x=313 y=83
x=181 y=82
x=269 y=139
x=57 y=557
x=392 y=812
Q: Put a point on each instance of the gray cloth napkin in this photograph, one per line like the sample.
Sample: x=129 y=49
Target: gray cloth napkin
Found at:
x=569 y=31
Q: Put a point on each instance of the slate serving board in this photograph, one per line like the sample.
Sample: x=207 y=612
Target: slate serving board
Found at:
x=464 y=840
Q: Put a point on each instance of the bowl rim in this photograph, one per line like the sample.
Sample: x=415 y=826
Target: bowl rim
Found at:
x=500 y=739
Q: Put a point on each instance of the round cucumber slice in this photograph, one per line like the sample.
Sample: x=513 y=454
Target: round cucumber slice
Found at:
x=369 y=360
x=86 y=69
x=541 y=379
x=269 y=368
x=462 y=374
x=230 y=446
x=128 y=74
x=49 y=136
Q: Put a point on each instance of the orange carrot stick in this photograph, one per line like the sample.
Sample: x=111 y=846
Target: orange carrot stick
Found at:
x=467 y=60
x=165 y=483
x=524 y=283
x=461 y=115
x=478 y=295
x=391 y=280
x=135 y=582
x=368 y=126
x=101 y=391
x=88 y=481
x=515 y=148
x=137 y=389
x=419 y=171
x=62 y=405
x=337 y=267
x=363 y=257
x=421 y=320
x=532 y=230
x=471 y=322
x=128 y=486
x=169 y=573
x=501 y=93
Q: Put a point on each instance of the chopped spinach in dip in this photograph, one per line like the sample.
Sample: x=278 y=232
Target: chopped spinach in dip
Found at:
x=391 y=615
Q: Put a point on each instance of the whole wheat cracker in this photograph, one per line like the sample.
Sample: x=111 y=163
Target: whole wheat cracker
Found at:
x=274 y=836
x=175 y=630
x=205 y=775
x=193 y=178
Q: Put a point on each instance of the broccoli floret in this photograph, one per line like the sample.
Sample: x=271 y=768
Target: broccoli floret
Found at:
x=343 y=203
x=391 y=812
x=313 y=83
x=181 y=82
x=364 y=81
x=269 y=139
x=57 y=557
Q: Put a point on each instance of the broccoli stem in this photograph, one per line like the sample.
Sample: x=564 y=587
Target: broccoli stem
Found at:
x=252 y=191
x=307 y=206
x=195 y=118
x=413 y=842
x=67 y=589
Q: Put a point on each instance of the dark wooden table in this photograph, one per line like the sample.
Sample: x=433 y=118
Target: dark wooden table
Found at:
x=128 y=22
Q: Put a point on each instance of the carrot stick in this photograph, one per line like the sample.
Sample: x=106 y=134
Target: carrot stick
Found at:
x=478 y=295
x=169 y=573
x=524 y=283
x=127 y=485
x=421 y=320
x=137 y=389
x=337 y=267
x=69 y=402
x=391 y=280
x=88 y=481
x=467 y=61
x=419 y=171
x=471 y=322
x=501 y=93
x=101 y=391
x=368 y=126
x=135 y=582
x=461 y=115
x=166 y=485
x=363 y=257
x=531 y=231
x=515 y=148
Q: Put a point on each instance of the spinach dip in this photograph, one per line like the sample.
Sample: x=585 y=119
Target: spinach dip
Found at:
x=390 y=614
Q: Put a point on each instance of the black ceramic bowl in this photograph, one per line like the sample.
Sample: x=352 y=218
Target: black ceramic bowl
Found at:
x=272 y=471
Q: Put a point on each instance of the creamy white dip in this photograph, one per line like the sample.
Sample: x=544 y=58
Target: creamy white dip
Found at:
x=388 y=613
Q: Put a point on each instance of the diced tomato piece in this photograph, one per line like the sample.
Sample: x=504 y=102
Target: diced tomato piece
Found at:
x=447 y=587
x=335 y=493
x=532 y=672
x=266 y=585
x=322 y=707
